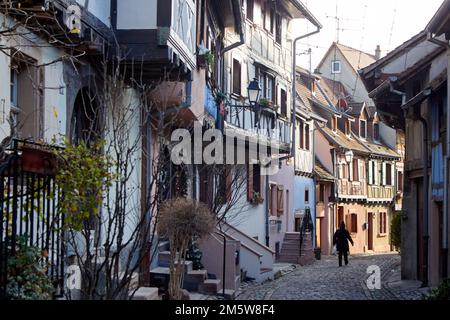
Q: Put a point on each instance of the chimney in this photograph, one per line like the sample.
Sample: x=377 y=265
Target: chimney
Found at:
x=378 y=52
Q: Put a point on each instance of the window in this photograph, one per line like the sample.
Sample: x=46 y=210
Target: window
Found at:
x=14 y=84
x=347 y=127
x=383 y=223
x=356 y=170
x=272 y=200
x=335 y=66
x=236 y=77
x=362 y=129
x=253 y=181
x=267 y=83
x=334 y=124
x=283 y=103
x=278 y=29
x=352 y=223
x=388 y=174
x=321 y=192
x=280 y=200
x=302 y=135
x=306 y=196
x=272 y=21
x=307 y=137
x=376 y=132
x=400 y=181
x=250 y=5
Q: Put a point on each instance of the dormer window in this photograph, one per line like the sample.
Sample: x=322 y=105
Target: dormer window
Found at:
x=362 y=129
x=336 y=66
x=376 y=132
x=334 y=124
x=347 y=128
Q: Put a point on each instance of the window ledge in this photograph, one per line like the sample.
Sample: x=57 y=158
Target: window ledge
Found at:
x=382 y=235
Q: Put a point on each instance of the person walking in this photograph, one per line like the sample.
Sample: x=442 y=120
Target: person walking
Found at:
x=340 y=240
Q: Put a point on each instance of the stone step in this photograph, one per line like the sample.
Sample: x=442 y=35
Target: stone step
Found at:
x=194 y=278
x=146 y=293
x=210 y=286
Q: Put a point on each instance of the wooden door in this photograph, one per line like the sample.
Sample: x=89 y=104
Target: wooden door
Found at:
x=370 y=231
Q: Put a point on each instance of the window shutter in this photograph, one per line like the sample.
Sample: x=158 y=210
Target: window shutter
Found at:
x=376 y=174
x=280 y=204
x=383 y=174
x=348 y=222
x=392 y=174
x=370 y=172
x=250 y=183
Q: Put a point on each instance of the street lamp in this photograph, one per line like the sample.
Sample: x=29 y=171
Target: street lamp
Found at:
x=254 y=90
x=349 y=156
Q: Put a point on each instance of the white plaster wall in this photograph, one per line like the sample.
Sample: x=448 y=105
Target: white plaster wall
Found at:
x=347 y=77
x=54 y=86
x=101 y=9
x=388 y=136
x=130 y=102
x=141 y=15
x=409 y=58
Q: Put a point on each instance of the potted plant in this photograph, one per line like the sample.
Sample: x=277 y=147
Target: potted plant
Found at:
x=257 y=198
x=265 y=103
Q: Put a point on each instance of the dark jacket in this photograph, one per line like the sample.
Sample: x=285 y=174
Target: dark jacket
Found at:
x=341 y=239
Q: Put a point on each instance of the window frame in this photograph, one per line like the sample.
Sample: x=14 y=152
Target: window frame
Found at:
x=237 y=87
x=247 y=15
x=333 y=64
x=361 y=122
x=382 y=224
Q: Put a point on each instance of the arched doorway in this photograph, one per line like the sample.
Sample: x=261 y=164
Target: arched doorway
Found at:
x=85 y=121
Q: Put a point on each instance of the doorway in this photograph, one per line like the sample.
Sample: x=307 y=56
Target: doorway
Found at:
x=370 y=231
x=340 y=217
x=297 y=224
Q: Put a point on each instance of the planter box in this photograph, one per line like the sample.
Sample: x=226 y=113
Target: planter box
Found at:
x=38 y=161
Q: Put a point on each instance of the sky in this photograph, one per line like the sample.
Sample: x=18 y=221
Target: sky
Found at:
x=363 y=25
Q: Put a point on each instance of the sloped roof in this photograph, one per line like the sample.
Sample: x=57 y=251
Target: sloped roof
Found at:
x=322 y=172
x=380 y=149
x=304 y=90
x=371 y=110
x=357 y=59
x=335 y=90
x=338 y=138
x=355 y=108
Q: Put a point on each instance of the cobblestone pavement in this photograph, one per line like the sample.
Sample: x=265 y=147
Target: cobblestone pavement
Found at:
x=324 y=280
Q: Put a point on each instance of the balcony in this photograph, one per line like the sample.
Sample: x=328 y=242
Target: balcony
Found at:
x=380 y=193
x=160 y=34
x=260 y=123
x=351 y=189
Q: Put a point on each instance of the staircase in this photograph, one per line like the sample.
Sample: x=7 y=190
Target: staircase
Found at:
x=290 y=250
x=194 y=280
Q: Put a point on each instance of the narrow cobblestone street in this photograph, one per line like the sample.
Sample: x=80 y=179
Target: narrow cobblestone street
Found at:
x=324 y=280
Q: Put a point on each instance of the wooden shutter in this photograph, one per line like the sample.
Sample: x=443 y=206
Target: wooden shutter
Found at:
x=376 y=174
x=371 y=172
x=383 y=174
x=392 y=174
x=250 y=182
x=280 y=200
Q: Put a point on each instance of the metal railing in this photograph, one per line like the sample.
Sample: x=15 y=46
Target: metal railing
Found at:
x=29 y=209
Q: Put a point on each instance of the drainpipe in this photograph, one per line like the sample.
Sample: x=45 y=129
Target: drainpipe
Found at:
x=425 y=199
x=445 y=220
x=294 y=81
x=266 y=205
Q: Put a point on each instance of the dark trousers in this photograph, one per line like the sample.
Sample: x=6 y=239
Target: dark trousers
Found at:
x=345 y=258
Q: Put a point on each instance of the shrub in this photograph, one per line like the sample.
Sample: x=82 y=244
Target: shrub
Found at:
x=396 y=230
x=182 y=220
x=440 y=293
x=27 y=278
